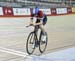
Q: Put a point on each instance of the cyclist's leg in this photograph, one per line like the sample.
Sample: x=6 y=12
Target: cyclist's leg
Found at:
x=42 y=28
x=43 y=37
x=37 y=26
x=36 y=33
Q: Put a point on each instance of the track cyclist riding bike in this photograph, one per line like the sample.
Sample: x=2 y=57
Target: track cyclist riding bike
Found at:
x=41 y=20
x=32 y=40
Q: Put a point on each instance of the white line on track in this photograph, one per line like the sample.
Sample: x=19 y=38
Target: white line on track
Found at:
x=14 y=52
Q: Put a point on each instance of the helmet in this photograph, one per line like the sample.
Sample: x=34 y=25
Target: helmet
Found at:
x=36 y=10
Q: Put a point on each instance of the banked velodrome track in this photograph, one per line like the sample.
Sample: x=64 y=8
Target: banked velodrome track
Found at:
x=13 y=35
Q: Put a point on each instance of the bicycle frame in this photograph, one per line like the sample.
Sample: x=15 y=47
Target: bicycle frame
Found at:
x=36 y=41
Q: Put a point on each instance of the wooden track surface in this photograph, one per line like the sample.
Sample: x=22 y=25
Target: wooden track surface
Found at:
x=13 y=35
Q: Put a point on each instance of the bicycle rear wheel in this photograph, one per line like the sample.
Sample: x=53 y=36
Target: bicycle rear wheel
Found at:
x=30 y=45
x=42 y=46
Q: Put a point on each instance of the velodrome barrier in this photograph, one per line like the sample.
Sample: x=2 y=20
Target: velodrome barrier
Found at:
x=26 y=12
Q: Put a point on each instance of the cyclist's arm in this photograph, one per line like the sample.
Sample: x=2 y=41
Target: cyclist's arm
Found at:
x=39 y=23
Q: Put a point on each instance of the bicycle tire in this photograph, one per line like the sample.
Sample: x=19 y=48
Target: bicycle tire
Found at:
x=42 y=50
x=27 y=43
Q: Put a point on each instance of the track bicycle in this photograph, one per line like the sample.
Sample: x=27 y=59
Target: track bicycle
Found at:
x=33 y=41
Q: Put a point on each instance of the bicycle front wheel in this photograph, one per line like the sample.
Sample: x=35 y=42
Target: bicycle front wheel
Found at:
x=30 y=45
x=43 y=44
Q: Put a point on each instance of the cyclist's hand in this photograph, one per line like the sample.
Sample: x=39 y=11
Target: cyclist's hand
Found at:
x=31 y=23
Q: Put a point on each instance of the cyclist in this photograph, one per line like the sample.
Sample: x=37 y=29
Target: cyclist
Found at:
x=41 y=20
